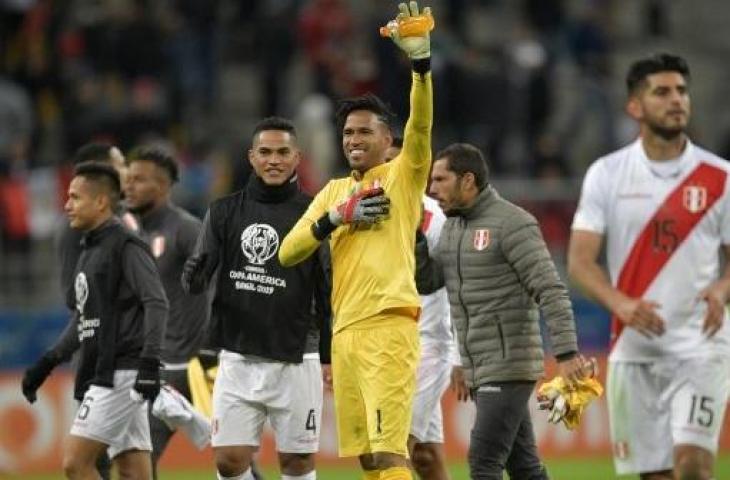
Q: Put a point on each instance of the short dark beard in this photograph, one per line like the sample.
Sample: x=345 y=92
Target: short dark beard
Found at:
x=143 y=209
x=667 y=134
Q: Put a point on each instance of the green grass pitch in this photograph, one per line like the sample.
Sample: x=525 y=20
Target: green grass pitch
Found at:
x=570 y=469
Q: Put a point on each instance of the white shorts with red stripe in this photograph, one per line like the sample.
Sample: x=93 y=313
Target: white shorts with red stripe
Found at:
x=656 y=406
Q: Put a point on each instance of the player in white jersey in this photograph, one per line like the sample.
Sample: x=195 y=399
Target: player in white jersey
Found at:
x=662 y=206
x=439 y=355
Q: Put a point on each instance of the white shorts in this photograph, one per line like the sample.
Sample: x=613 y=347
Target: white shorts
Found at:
x=432 y=380
x=655 y=406
x=110 y=416
x=248 y=390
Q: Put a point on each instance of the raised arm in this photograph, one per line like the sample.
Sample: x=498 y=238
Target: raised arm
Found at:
x=415 y=157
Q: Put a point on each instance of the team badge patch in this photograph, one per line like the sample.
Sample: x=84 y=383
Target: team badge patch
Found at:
x=621 y=450
x=158 y=246
x=694 y=198
x=481 y=239
x=130 y=222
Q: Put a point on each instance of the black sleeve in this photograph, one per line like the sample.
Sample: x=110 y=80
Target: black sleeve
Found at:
x=68 y=342
x=323 y=306
x=187 y=236
x=143 y=278
x=429 y=274
x=68 y=251
x=207 y=251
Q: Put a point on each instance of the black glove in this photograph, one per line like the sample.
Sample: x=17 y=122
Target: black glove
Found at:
x=208 y=358
x=148 y=378
x=37 y=374
x=192 y=280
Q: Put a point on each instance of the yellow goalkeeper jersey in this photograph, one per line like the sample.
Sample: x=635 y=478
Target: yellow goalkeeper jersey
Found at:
x=373 y=266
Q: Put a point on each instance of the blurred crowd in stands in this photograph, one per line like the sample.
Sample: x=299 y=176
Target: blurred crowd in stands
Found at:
x=529 y=81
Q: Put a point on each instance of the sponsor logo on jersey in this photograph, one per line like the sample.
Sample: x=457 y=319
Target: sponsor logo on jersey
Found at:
x=85 y=326
x=490 y=389
x=634 y=196
x=481 y=239
x=158 y=246
x=259 y=242
x=694 y=198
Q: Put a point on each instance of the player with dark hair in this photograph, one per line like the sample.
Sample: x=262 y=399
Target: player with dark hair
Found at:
x=376 y=306
x=171 y=233
x=270 y=322
x=120 y=315
x=499 y=277
x=661 y=205
x=68 y=240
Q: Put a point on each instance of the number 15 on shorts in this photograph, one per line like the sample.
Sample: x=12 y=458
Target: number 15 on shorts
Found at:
x=701 y=411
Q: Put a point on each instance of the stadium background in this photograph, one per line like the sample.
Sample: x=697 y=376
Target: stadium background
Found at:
x=536 y=83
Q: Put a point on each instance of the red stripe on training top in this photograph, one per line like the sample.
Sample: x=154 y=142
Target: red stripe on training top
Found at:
x=426 y=220
x=685 y=207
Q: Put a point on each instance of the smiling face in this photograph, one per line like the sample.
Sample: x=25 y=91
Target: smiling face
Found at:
x=274 y=156
x=365 y=139
x=662 y=106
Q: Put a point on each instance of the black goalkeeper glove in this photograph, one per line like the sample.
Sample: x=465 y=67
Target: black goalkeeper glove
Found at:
x=35 y=375
x=148 y=378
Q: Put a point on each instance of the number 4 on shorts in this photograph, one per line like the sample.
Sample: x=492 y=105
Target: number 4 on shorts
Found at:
x=311 y=421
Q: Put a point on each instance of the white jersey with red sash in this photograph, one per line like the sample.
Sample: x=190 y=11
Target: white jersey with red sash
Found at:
x=664 y=224
x=434 y=326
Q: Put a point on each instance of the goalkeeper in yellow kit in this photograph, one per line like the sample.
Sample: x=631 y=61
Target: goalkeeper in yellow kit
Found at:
x=370 y=217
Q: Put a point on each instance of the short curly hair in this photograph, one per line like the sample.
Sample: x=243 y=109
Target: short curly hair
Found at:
x=160 y=157
x=661 y=62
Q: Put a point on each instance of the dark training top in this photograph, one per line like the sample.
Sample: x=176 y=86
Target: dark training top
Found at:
x=261 y=308
x=171 y=233
x=120 y=307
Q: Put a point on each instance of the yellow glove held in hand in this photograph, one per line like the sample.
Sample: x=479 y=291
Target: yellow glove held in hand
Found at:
x=567 y=403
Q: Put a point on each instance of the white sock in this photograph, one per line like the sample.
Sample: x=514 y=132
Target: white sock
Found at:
x=307 y=476
x=247 y=475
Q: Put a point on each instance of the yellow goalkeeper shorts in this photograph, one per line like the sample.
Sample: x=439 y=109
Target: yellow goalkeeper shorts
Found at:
x=374 y=378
